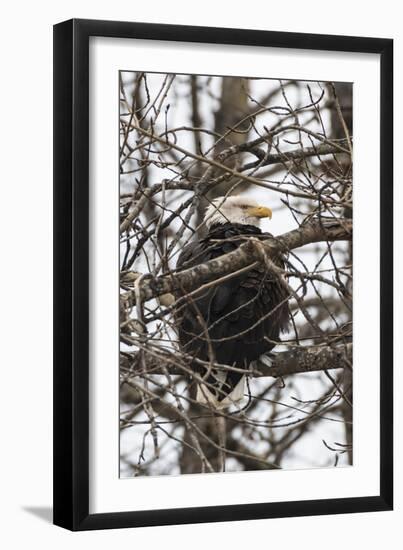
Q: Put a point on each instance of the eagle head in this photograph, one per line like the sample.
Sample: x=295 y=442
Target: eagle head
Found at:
x=235 y=209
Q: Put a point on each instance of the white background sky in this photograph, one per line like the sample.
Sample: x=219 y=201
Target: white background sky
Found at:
x=26 y=343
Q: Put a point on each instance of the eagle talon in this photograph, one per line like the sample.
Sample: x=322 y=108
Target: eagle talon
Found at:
x=267 y=359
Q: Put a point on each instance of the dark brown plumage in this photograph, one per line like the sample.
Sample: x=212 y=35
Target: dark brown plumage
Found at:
x=236 y=321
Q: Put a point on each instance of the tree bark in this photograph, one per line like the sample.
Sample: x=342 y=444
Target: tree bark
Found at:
x=246 y=255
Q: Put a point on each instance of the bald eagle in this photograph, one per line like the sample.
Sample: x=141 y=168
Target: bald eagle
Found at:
x=235 y=322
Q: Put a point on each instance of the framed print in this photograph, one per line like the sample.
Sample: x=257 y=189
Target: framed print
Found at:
x=223 y=274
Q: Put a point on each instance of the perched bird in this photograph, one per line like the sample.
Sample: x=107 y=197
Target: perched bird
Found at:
x=236 y=321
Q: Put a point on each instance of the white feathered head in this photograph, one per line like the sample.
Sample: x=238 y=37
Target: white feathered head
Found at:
x=236 y=209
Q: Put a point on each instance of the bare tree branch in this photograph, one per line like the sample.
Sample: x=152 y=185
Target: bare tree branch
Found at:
x=184 y=141
x=285 y=363
x=245 y=255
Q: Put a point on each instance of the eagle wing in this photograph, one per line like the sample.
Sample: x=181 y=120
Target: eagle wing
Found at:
x=238 y=319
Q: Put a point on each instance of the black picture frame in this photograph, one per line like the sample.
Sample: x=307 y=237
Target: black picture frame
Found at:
x=71 y=274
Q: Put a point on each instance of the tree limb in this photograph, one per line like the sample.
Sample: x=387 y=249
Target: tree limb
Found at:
x=307 y=359
x=297 y=154
x=245 y=255
x=297 y=360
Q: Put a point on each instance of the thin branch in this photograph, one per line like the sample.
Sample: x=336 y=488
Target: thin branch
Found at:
x=297 y=360
x=246 y=255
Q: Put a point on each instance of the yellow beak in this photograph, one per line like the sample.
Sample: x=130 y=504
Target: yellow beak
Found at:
x=260 y=212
